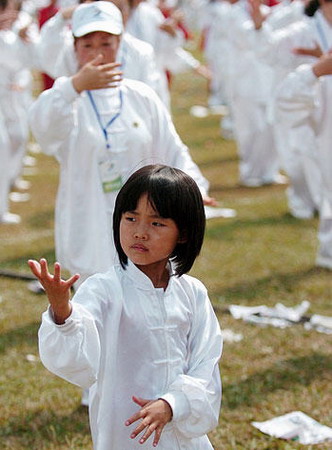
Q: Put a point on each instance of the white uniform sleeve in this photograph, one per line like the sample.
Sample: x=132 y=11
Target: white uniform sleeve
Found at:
x=55 y=35
x=195 y=396
x=295 y=99
x=66 y=64
x=182 y=61
x=275 y=47
x=72 y=350
x=16 y=54
x=52 y=116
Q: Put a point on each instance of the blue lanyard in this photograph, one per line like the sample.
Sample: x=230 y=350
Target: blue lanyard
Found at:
x=322 y=35
x=109 y=123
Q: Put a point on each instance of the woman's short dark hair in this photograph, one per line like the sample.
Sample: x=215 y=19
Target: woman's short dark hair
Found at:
x=174 y=195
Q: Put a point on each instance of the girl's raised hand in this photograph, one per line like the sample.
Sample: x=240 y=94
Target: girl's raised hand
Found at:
x=57 y=289
x=155 y=414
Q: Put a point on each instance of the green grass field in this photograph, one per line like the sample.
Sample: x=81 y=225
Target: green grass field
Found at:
x=262 y=256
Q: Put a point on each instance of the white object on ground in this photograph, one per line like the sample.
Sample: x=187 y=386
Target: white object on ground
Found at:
x=229 y=335
x=296 y=426
x=279 y=316
x=18 y=197
x=322 y=324
x=199 y=111
x=211 y=212
x=10 y=219
x=32 y=358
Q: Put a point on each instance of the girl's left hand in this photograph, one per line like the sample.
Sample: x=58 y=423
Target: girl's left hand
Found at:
x=155 y=414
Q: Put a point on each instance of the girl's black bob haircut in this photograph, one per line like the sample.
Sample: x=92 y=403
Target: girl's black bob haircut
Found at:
x=174 y=195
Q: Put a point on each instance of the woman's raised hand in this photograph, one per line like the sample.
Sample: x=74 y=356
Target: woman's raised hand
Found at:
x=57 y=289
x=95 y=75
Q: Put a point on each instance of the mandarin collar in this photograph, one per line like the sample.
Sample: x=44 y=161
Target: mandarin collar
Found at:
x=141 y=280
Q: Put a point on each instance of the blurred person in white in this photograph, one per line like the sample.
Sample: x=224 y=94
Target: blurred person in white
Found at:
x=304 y=99
x=17 y=56
x=58 y=56
x=100 y=129
x=146 y=22
x=284 y=48
x=249 y=83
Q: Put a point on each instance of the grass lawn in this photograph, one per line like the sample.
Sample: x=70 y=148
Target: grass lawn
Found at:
x=262 y=256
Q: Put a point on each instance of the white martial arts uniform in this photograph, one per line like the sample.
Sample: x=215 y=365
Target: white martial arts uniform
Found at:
x=250 y=86
x=8 y=44
x=305 y=102
x=15 y=89
x=58 y=56
x=276 y=48
x=217 y=47
x=66 y=125
x=143 y=23
x=14 y=57
x=124 y=337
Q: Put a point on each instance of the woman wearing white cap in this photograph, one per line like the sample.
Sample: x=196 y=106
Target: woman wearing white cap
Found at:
x=58 y=57
x=100 y=136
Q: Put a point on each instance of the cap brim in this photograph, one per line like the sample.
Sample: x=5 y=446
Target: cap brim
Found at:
x=91 y=27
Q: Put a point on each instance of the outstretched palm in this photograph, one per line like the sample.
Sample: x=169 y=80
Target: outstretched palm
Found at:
x=57 y=289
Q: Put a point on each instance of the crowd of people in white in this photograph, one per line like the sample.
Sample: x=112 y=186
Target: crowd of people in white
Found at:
x=270 y=64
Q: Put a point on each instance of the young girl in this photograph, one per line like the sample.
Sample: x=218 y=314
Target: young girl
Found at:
x=143 y=336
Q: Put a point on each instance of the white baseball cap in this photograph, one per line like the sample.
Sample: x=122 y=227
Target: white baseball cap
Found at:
x=97 y=16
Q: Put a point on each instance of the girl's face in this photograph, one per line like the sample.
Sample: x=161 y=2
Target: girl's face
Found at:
x=91 y=45
x=146 y=238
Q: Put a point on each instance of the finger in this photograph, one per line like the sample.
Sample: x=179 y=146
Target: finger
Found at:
x=97 y=60
x=57 y=272
x=149 y=430
x=113 y=74
x=44 y=268
x=139 y=429
x=111 y=66
x=140 y=401
x=133 y=418
x=157 y=436
x=72 y=280
x=34 y=267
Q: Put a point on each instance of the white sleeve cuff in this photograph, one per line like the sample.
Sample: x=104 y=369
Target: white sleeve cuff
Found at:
x=70 y=324
x=179 y=404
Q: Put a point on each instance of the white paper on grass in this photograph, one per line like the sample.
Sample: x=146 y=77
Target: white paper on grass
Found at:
x=296 y=426
x=267 y=316
x=230 y=336
x=211 y=212
x=263 y=321
x=201 y=112
x=322 y=324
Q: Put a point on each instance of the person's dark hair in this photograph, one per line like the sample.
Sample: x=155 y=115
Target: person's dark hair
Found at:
x=311 y=7
x=174 y=195
x=3 y=4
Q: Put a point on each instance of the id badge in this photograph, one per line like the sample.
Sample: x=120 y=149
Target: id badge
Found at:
x=111 y=178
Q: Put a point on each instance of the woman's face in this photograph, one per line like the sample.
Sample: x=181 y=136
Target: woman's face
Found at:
x=91 y=45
